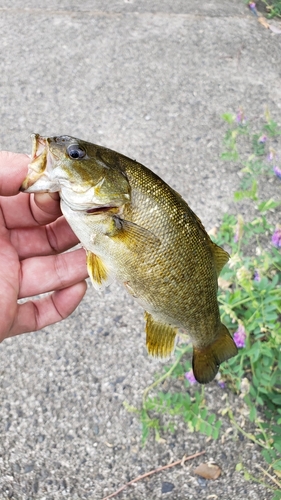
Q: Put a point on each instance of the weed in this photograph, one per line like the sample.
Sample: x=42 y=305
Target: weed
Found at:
x=273 y=8
x=250 y=305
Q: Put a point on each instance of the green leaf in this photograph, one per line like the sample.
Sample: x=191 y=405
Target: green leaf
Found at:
x=247 y=475
x=277 y=430
x=230 y=156
x=258 y=147
x=277 y=465
x=268 y=205
x=212 y=418
x=276 y=398
x=204 y=413
x=228 y=117
x=267 y=456
x=209 y=430
x=253 y=414
x=250 y=193
x=272 y=128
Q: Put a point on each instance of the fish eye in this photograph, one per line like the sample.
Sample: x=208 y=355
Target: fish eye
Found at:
x=75 y=152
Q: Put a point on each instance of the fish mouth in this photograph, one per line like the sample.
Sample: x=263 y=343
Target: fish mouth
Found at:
x=40 y=158
x=38 y=146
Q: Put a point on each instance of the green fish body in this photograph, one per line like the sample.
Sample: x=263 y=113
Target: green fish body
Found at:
x=138 y=230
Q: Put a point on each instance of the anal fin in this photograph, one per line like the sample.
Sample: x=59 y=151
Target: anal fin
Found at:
x=98 y=272
x=160 y=337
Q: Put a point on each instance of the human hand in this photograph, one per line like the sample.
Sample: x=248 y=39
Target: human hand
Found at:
x=32 y=236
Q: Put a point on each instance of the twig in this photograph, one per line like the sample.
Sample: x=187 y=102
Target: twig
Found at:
x=178 y=462
x=248 y=436
x=269 y=475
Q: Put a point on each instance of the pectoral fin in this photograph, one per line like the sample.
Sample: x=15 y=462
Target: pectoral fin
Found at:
x=98 y=272
x=160 y=337
x=122 y=230
x=206 y=361
x=132 y=234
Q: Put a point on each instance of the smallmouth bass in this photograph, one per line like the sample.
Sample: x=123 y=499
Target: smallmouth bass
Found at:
x=138 y=230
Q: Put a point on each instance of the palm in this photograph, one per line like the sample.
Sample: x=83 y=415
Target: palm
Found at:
x=32 y=236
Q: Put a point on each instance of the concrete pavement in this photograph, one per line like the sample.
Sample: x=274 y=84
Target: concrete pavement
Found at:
x=150 y=79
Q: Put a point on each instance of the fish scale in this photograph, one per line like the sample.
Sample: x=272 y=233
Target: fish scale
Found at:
x=138 y=230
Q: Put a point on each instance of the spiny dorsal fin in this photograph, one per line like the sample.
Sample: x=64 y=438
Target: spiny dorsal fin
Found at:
x=220 y=256
x=160 y=337
x=98 y=272
x=206 y=361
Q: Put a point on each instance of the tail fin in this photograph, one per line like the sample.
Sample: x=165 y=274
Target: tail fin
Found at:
x=206 y=361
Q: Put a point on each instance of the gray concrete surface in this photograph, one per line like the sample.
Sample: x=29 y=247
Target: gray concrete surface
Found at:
x=150 y=79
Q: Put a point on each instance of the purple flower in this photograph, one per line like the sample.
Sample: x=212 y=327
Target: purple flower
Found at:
x=257 y=275
x=272 y=155
x=190 y=377
x=277 y=171
x=276 y=238
x=239 y=336
x=222 y=384
x=240 y=118
x=252 y=7
x=262 y=139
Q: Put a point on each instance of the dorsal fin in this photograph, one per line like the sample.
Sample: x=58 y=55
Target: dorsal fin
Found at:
x=220 y=256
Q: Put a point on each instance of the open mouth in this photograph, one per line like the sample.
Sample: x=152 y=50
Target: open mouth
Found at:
x=39 y=168
x=98 y=210
x=38 y=162
x=38 y=146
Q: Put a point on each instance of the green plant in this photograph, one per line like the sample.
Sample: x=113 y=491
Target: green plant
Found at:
x=273 y=8
x=250 y=305
x=252 y=297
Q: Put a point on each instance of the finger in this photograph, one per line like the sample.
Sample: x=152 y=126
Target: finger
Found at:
x=13 y=170
x=29 y=210
x=44 y=274
x=36 y=314
x=43 y=240
x=43 y=207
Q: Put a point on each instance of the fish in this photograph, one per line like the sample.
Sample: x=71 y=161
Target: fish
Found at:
x=139 y=231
